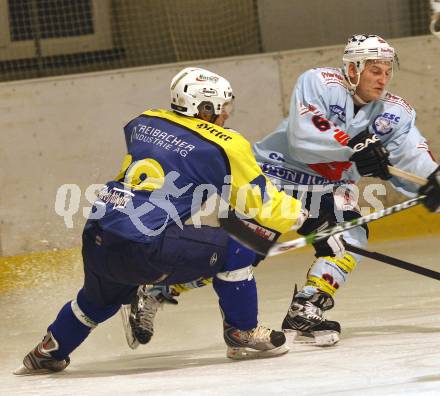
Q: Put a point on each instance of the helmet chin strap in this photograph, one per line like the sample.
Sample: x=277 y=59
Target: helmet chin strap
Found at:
x=358 y=99
x=353 y=86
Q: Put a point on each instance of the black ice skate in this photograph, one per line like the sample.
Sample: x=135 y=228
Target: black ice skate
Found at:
x=39 y=360
x=138 y=317
x=305 y=318
x=259 y=342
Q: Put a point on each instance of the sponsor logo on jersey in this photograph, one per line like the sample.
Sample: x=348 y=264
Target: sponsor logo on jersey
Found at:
x=339 y=111
x=119 y=198
x=384 y=123
x=261 y=231
x=217 y=133
x=291 y=176
x=165 y=140
x=332 y=76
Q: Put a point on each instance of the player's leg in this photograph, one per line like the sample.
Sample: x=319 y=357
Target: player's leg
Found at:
x=98 y=300
x=113 y=267
x=138 y=317
x=305 y=316
x=235 y=285
x=189 y=255
x=207 y=252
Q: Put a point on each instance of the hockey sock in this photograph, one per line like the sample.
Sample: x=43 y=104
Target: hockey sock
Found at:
x=74 y=323
x=329 y=273
x=238 y=301
x=237 y=289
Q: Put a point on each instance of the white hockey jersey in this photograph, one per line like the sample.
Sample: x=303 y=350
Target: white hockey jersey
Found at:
x=309 y=147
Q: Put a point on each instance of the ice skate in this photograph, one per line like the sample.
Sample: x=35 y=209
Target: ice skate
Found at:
x=259 y=342
x=305 y=322
x=39 y=360
x=138 y=317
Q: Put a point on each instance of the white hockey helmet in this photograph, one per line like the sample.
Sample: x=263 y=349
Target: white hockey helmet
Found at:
x=193 y=86
x=435 y=19
x=363 y=47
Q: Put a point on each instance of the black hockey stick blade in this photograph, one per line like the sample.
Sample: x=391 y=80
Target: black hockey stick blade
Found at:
x=394 y=261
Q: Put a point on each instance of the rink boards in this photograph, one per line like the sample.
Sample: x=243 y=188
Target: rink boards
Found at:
x=29 y=269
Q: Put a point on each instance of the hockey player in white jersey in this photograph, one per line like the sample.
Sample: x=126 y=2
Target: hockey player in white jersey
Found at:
x=342 y=125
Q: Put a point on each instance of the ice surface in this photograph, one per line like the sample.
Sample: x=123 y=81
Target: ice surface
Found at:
x=390 y=343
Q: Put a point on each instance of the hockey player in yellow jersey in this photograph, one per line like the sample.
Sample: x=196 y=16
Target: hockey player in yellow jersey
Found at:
x=137 y=232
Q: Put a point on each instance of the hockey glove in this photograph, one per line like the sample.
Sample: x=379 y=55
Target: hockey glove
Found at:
x=331 y=246
x=370 y=157
x=432 y=191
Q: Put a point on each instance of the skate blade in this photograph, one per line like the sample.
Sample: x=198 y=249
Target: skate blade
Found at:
x=132 y=342
x=318 y=338
x=291 y=336
x=23 y=370
x=326 y=337
x=248 y=353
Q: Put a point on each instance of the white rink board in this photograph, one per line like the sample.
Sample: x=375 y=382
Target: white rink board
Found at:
x=68 y=130
x=389 y=346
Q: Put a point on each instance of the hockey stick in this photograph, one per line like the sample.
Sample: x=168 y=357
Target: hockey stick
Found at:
x=279 y=248
x=283 y=247
x=421 y=181
x=393 y=261
x=238 y=230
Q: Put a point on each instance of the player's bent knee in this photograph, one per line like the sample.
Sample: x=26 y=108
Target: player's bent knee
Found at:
x=239 y=263
x=89 y=314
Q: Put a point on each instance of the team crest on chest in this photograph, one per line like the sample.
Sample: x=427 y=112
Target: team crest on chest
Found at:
x=384 y=123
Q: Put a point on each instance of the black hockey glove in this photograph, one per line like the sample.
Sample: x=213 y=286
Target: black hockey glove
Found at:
x=370 y=156
x=432 y=191
x=331 y=246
